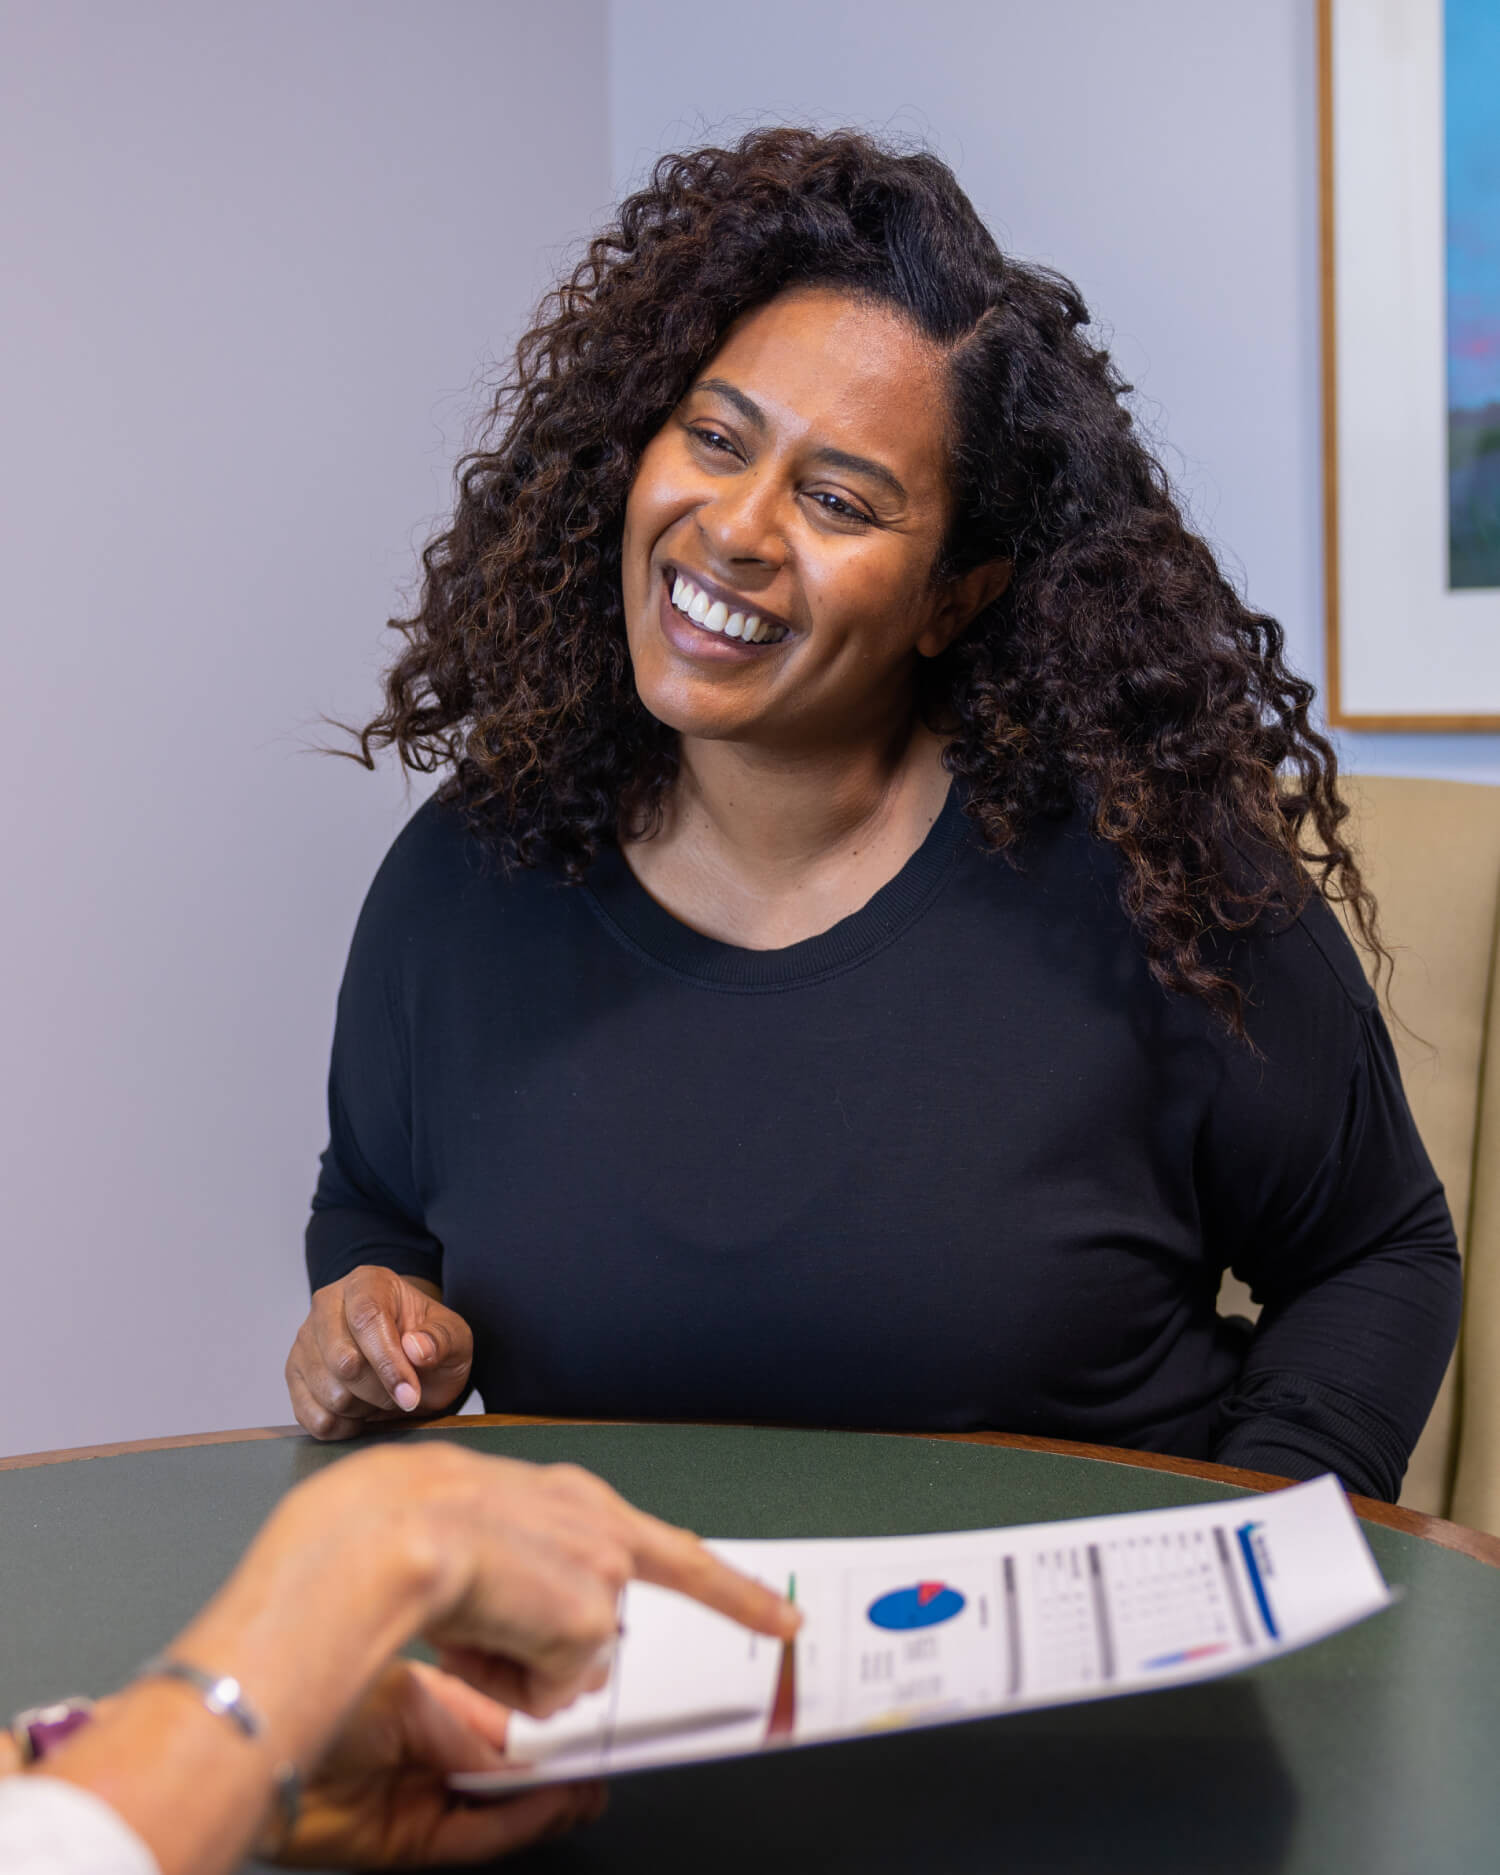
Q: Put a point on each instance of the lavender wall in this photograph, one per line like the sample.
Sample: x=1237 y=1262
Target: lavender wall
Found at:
x=255 y=258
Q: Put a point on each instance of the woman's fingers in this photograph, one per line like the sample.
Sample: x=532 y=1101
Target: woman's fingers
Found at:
x=536 y=1691
x=312 y=1413
x=477 y=1833
x=379 y=1797
x=447 y=1723
x=675 y=1559
x=396 y=1346
x=375 y=1345
x=401 y=1341
x=327 y=1366
x=541 y=1630
x=553 y=1550
x=369 y=1346
x=439 y=1345
x=493 y=1676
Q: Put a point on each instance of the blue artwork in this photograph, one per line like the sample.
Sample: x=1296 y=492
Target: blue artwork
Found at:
x=1472 y=158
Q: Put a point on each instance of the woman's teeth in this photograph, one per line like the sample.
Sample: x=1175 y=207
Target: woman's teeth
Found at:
x=713 y=615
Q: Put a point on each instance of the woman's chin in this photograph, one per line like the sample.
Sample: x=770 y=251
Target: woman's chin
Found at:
x=696 y=723
x=695 y=706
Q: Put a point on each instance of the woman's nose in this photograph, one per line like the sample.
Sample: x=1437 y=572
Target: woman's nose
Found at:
x=742 y=522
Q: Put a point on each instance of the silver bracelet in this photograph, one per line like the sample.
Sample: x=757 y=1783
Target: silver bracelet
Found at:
x=225 y=1698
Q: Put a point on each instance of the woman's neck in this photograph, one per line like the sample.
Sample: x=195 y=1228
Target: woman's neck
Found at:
x=762 y=849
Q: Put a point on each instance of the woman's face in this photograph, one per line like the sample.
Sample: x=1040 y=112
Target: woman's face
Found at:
x=782 y=528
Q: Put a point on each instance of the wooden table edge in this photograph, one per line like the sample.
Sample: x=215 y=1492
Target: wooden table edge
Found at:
x=1478 y=1544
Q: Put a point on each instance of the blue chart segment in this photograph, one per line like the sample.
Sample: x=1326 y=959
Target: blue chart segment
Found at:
x=923 y=1605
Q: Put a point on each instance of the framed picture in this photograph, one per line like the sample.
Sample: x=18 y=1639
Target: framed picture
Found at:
x=1410 y=158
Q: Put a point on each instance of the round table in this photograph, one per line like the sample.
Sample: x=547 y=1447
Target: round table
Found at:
x=1373 y=1751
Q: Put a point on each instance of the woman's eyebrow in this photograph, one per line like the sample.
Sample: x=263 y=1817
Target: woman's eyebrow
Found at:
x=862 y=465
x=746 y=406
x=833 y=458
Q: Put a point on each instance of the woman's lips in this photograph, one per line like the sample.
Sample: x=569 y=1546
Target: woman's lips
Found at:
x=702 y=641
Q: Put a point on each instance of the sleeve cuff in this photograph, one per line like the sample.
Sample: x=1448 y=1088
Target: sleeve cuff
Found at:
x=340 y=1240
x=51 y=1827
x=1296 y=1428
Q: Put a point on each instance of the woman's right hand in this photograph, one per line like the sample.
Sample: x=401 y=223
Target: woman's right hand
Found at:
x=376 y=1346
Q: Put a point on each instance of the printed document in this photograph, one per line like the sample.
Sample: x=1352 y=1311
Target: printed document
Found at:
x=919 y=1630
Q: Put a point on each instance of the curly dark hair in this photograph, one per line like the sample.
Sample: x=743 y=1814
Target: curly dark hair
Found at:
x=1119 y=671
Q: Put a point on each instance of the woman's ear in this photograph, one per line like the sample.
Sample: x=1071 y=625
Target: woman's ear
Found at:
x=963 y=599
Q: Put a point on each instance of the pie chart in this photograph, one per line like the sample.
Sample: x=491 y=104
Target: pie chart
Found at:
x=923 y=1605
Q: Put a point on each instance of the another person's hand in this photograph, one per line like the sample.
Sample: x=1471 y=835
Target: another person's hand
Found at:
x=514 y=1570
x=376 y=1346
x=380 y=1797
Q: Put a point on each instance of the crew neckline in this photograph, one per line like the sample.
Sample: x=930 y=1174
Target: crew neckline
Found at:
x=634 y=917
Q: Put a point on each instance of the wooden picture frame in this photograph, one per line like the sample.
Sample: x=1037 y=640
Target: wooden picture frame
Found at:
x=1406 y=649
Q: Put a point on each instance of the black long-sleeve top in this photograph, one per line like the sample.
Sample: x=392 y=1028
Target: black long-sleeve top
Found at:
x=955 y=1163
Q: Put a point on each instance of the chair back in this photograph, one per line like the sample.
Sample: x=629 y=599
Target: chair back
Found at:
x=1431 y=853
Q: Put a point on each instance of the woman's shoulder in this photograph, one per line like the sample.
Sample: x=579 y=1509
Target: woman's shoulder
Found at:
x=1312 y=1020
x=1294 y=963
x=445 y=876
x=430 y=867
x=439 y=849
x=1308 y=944
x=1297 y=944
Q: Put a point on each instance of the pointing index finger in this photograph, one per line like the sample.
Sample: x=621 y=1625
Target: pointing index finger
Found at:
x=676 y=1559
x=377 y=1339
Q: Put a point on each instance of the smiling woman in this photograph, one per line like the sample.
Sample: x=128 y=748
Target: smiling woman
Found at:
x=869 y=960
x=812 y=470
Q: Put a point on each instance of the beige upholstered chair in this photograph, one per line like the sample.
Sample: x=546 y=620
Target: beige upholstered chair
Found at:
x=1431 y=852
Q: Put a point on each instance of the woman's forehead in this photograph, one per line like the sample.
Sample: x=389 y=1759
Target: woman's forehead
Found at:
x=841 y=370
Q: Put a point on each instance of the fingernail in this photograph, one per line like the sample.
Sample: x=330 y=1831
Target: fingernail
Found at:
x=418 y=1348
x=407 y=1397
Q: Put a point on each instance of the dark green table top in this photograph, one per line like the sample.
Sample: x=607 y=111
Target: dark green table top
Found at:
x=1378 y=1750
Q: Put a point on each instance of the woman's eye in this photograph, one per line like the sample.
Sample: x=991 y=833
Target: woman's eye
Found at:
x=712 y=439
x=839 y=508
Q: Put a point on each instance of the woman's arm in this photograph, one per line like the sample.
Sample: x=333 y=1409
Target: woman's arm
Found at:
x=1341 y=1373
x=378 y=1342
x=1328 y=1206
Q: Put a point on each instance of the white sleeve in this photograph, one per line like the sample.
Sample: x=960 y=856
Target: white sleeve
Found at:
x=50 y=1827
